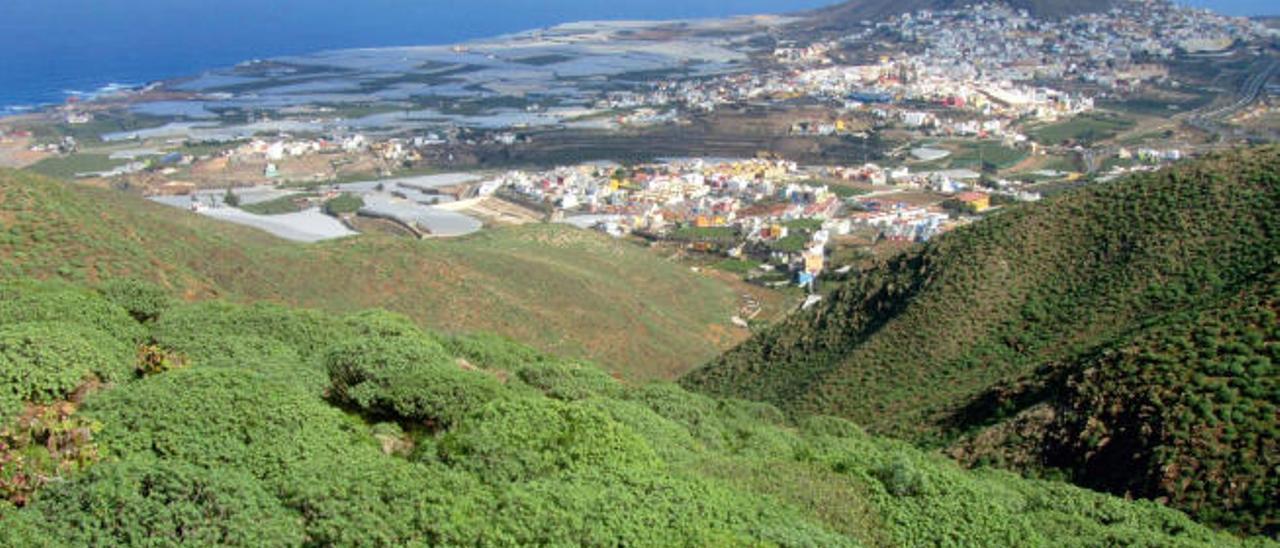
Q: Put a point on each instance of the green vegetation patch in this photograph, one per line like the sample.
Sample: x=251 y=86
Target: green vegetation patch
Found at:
x=142 y=300
x=71 y=165
x=406 y=377
x=221 y=452
x=44 y=362
x=221 y=418
x=277 y=206
x=1086 y=128
x=1162 y=105
x=973 y=334
x=987 y=155
x=345 y=204
x=846 y=191
x=1210 y=378
x=25 y=301
x=157 y=503
x=717 y=234
x=795 y=242
x=737 y=266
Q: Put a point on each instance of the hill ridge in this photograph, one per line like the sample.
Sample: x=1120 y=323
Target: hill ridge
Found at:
x=917 y=347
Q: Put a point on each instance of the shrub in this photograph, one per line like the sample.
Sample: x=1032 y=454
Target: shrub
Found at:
x=570 y=381
x=409 y=378
x=269 y=357
x=599 y=509
x=158 y=503
x=366 y=499
x=144 y=301
x=695 y=412
x=222 y=418
x=44 y=362
x=519 y=439
x=344 y=204
x=669 y=440
x=307 y=332
x=754 y=411
x=491 y=351
x=901 y=479
x=21 y=303
x=381 y=323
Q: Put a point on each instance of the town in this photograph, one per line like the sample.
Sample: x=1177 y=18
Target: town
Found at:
x=804 y=151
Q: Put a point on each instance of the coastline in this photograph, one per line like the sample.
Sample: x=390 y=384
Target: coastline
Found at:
x=113 y=85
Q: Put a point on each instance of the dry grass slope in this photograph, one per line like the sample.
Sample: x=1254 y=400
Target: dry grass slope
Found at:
x=562 y=290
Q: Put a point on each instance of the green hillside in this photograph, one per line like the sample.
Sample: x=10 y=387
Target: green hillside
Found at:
x=990 y=325
x=1194 y=395
x=135 y=420
x=568 y=291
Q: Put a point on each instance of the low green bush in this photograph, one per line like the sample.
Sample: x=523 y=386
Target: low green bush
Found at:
x=53 y=302
x=491 y=351
x=520 y=439
x=159 y=503
x=570 y=381
x=307 y=332
x=144 y=301
x=409 y=378
x=42 y=362
x=345 y=204
x=223 y=418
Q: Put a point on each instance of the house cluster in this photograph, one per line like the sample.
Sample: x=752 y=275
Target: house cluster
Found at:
x=771 y=210
x=988 y=63
x=286 y=147
x=1121 y=48
x=1150 y=154
x=605 y=188
x=66 y=145
x=901 y=222
x=945 y=181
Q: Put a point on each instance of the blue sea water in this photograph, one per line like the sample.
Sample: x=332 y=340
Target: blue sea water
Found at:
x=50 y=49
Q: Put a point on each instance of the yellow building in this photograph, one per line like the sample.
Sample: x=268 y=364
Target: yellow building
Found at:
x=975 y=201
x=814 y=261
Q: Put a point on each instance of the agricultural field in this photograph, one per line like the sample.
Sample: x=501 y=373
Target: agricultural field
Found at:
x=975 y=155
x=1088 y=128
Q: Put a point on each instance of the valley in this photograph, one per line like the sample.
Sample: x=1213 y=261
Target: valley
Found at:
x=924 y=273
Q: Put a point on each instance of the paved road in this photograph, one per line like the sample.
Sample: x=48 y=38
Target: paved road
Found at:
x=1251 y=89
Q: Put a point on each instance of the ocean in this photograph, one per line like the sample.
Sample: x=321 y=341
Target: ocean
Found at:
x=53 y=49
